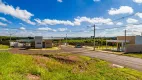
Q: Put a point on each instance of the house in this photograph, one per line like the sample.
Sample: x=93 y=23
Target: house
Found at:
x=37 y=42
x=133 y=43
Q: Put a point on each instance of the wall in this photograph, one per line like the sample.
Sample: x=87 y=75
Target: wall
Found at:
x=132 y=48
x=38 y=42
x=138 y=40
x=14 y=44
x=129 y=38
x=48 y=43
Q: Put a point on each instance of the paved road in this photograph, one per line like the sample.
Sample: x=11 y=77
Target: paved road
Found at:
x=134 y=63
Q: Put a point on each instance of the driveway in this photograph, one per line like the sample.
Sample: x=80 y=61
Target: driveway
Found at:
x=134 y=63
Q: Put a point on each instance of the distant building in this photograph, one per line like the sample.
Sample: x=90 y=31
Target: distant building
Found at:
x=37 y=42
x=134 y=43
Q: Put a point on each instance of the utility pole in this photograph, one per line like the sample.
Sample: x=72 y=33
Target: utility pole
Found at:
x=94 y=37
x=125 y=37
x=11 y=35
x=66 y=39
x=10 y=38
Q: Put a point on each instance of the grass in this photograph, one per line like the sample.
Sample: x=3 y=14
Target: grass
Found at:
x=100 y=47
x=3 y=46
x=136 y=55
x=61 y=67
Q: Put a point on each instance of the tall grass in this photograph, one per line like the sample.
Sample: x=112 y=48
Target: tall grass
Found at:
x=3 y=46
x=17 y=67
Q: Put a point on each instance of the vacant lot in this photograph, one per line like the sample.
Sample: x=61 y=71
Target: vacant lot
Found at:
x=60 y=67
x=3 y=46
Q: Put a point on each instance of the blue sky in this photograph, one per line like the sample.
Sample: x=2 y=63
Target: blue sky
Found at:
x=58 y=17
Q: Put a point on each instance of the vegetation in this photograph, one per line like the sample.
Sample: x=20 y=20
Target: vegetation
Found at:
x=136 y=55
x=7 y=38
x=60 y=67
x=4 y=46
x=90 y=41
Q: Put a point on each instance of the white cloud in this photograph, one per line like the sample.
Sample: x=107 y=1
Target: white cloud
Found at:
x=131 y=20
x=138 y=1
x=24 y=15
x=134 y=29
x=62 y=29
x=22 y=24
x=4 y=19
x=119 y=23
x=139 y=14
x=53 y=22
x=97 y=21
x=3 y=24
x=46 y=29
x=60 y=1
x=121 y=10
x=77 y=21
x=109 y=23
x=22 y=28
x=96 y=0
x=112 y=29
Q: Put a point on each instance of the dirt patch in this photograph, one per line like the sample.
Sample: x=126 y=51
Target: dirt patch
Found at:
x=67 y=59
x=41 y=60
x=23 y=51
x=33 y=77
x=64 y=59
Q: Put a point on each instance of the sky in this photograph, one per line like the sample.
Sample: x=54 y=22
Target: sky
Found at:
x=56 y=18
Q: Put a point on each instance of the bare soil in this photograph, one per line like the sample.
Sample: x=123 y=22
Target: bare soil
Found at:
x=26 y=51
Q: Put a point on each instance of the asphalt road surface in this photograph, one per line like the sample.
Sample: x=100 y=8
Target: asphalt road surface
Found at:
x=130 y=62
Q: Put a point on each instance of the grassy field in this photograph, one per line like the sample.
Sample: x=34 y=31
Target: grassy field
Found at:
x=136 y=55
x=100 y=47
x=60 y=67
x=3 y=47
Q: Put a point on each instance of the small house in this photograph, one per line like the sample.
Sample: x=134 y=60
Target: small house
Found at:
x=133 y=43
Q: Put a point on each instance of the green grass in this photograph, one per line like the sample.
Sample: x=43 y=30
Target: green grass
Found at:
x=136 y=55
x=3 y=46
x=61 y=67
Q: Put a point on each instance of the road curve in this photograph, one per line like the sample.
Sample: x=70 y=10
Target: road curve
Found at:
x=130 y=62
